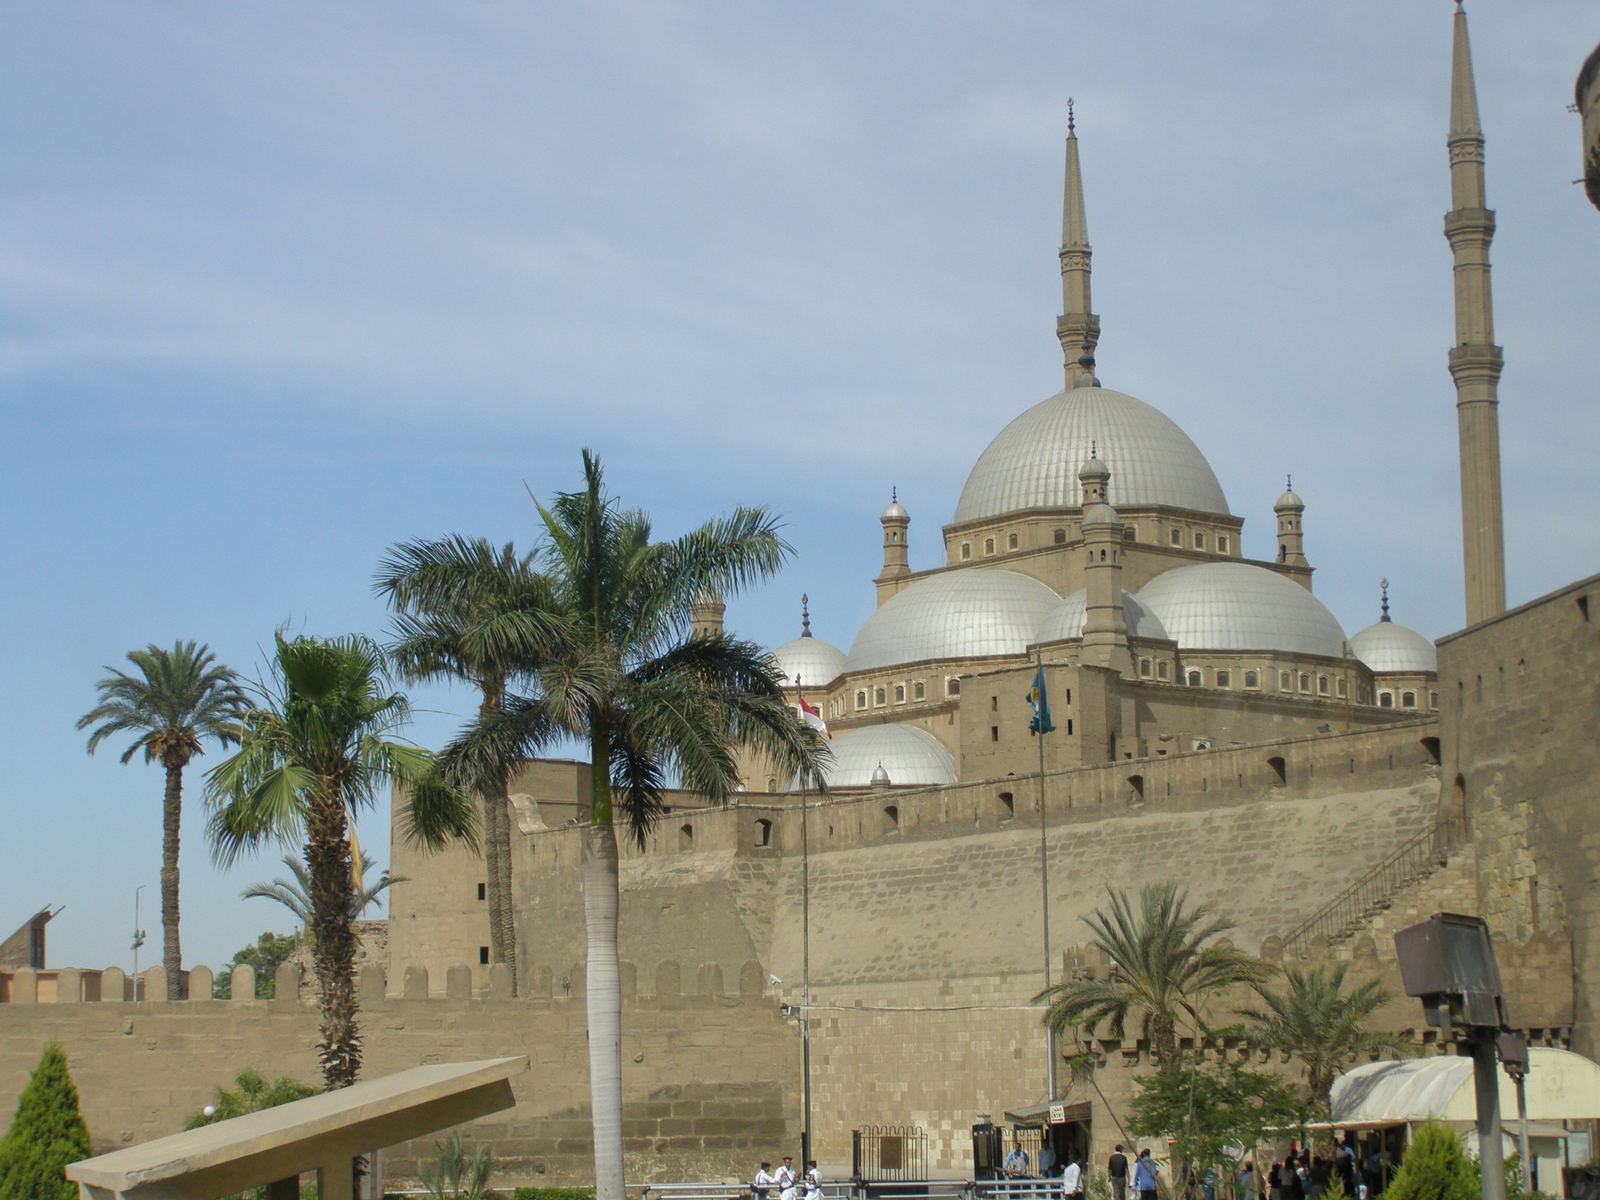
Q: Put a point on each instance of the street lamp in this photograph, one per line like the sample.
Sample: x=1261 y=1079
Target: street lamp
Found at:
x=1448 y=963
x=138 y=938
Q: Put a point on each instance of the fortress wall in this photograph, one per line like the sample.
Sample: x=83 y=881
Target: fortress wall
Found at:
x=703 y=1075
x=1518 y=700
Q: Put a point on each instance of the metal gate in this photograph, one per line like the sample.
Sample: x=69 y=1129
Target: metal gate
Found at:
x=888 y=1152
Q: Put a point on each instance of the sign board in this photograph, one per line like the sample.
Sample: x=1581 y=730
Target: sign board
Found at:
x=1058 y=1114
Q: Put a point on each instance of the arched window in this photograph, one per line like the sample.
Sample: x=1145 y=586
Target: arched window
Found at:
x=1252 y=679
x=1144 y=668
x=1061 y=537
x=1011 y=541
x=763 y=832
x=917 y=690
x=1305 y=682
x=1163 y=669
x=1385 y=699
x=899 y=693
x=891 y=817
x=861 y=698
x=1222 y=543
x=1279 y=769
x=1224 y=678
x=966 y=549
x=686 y=837
x=1322 y=686
x=1285 y=681
x=1135 y=789
x=878 y=695
x=952 y=686
x=772 y=784
x=1194 y=678
x=1408 y=699
x=1177 y=537
x=988 y=545
x=1344 y=687
x=1199 y=540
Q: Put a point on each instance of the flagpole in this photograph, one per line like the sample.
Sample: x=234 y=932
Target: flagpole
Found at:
x=1044 y=885
x=805 y=967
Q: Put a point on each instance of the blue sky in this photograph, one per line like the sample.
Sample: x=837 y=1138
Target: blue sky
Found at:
x=281 y=285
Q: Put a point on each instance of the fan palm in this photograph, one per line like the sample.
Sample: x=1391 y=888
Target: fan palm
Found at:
x=650 y=701
x=467 y=610
x=1161 y=968
x=178 y=699
x=294 y=893
x=1317 y=1021
x=310 y=757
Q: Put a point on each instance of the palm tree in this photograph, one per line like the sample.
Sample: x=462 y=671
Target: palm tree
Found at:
x=651 y=702
x=178 y=699
x=1161 y=968
x=466 y=610
x=309 y=758
x=1315 y=1019
x=294 y=893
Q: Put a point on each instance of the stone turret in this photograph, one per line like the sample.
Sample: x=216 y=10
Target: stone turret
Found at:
x=1289 y=509
x=896 y=551
x=1105 y=628
x=705 y=615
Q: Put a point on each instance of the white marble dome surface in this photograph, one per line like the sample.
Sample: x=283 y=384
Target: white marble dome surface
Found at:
x=969 y=613
x=1387 y=647
x=1034 y=461
x=1067 y=620
x=809 y=659
x=909 y=756
x=1236 y=606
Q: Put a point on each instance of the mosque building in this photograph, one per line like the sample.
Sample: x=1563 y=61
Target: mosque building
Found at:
x=1093 y=545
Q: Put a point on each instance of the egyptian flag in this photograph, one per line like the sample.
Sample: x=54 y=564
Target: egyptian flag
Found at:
x=811 y=716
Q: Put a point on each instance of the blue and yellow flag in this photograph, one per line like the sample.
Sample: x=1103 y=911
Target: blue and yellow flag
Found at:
x=1040 y=703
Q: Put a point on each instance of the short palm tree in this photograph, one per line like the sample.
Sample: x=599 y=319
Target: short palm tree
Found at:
x=468 y=610
x=294 y=893
x=651 y=702
x=309 y=758
x=1319 y=1022
x=1161 y=969
x=177 y=699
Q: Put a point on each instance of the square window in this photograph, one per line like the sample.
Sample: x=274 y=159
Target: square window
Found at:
x=483 y=891
x=483 y=956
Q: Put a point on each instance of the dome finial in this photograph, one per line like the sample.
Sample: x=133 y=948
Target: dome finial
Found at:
x=894 y=494
x=1288 y=483
x=880 y=777
x=1383 y=591
x=805 y=615
x=1072 y=123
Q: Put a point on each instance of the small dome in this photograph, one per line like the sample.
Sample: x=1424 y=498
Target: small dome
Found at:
x=1288 y=500
x=880 y=777
x=809 y=659
x=1387 y=647
x=895 y=512
x=907 y=754
x=1033 y=461
x=1236 y=606
x=1067 y=620
x=970 y=613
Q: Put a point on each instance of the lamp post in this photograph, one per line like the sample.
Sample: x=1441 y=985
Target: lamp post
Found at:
x=138 y=938
x=1448 y=963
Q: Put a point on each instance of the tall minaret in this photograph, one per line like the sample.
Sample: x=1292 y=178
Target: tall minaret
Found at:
x=1475 y=361
x=1077 y=326
x=1105 y=626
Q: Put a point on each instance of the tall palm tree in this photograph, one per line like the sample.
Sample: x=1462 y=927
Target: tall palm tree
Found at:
x=469 y=611
x=1317 y=1021
x=651 y=702
x=178 y=699
x=309 y=758
x=294 y=893
x=1161 y=968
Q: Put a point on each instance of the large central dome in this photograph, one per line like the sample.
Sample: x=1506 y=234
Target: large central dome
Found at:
x=1034 y=461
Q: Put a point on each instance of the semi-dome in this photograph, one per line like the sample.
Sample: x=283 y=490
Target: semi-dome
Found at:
x=1236 y=606
x=1387 y=647
x=969 y=613
x=1067 y=620
x=909 y=755
x=1034 y=461
x=811 y=660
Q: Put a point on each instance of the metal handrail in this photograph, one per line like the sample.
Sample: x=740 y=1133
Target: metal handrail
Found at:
x=1408 y=863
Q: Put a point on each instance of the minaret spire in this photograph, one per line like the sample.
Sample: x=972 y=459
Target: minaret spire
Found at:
x=1475 y=361
x=1078 y=328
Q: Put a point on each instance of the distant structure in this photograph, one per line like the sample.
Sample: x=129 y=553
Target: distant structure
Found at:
x=25 y=947
x=1589 y=108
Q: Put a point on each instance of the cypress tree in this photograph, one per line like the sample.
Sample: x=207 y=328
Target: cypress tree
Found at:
x=1435 y=1168
x=46 y=1134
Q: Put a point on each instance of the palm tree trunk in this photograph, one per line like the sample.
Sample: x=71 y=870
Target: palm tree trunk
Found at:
x=171 y=818
x=334 y=951
x=497 y=850
x=1163 y=1039
x=601 y=905
x=505 y=915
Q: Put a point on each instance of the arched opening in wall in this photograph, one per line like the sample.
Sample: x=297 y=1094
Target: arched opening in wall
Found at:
x=1252 y=679
x=1458 y=801
x=1408 y=699
x=772 y=783
x=966 y=549
x=899 y=693
x=879 y=697
x=1163 y=669
x=1008 y=805
x=1144 y=668
x=1011 y=541
x=1430 y=748
x=891 y=817
x=1385 y=699
x=988 y=545
x=952 y=686
x=686 y=837
x=1194 y=678
x=1061 y=537
x=1280 y=771
x=918 y=690
x=1135 y=789
x=763 y=832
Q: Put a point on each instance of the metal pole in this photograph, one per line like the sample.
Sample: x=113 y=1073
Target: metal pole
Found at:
x=1519 y=1077
x=1486 y=1086
x=1044 y=886
x=805 y=982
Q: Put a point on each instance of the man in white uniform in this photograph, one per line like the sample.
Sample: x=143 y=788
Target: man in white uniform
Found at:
x=787 y=1180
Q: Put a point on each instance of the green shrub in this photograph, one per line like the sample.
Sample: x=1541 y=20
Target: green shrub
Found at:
x=1435 y=1168
x=47 y=1133
x=251 y=1093
x=553 y=1193
x=455 y=1175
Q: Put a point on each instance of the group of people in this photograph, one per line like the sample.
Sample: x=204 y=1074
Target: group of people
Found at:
x=786 y=1182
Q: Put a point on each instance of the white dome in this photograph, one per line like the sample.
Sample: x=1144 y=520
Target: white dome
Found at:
x=1235 y=606
x=1067 y=620
x=1390 y=647
x=1034 y=461
x=956 y=614
x=909 y=756
x=809 y=659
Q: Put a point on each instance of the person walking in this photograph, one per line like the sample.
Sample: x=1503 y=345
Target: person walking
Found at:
x=1117 y=1169
x=763 y=1183
x=1146 y=1175
x=788 y=1182
x=1072 y=1178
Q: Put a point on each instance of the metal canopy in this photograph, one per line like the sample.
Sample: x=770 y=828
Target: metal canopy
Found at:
x=1561 y=1086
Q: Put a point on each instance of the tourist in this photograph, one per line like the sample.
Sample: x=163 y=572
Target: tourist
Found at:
x=1145 y=1175
x=1072 y=1178
x=1117 y=1169
x=1016 y=1162
x=763 y=1183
